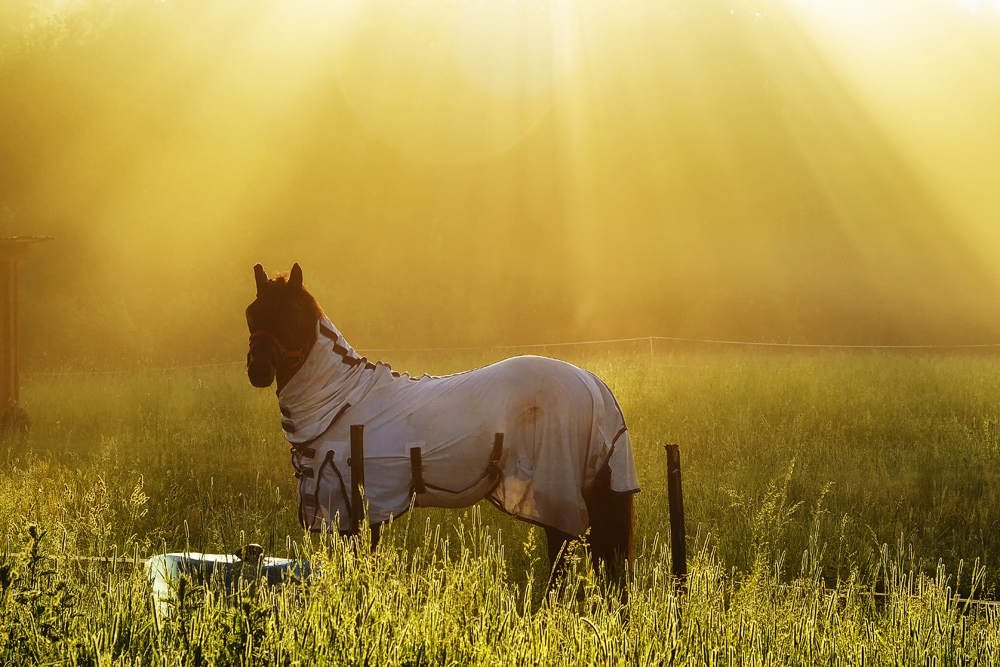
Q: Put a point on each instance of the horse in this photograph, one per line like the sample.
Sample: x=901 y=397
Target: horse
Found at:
x=564 y=461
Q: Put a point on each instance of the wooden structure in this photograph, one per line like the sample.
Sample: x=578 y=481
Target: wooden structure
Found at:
x=13 y=249
x=678 y=548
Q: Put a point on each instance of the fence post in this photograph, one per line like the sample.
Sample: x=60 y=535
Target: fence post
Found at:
x=12 y=250
x=357 y=475
x=678 y=549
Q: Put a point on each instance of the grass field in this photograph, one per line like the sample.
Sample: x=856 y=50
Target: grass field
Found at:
x=811 y=482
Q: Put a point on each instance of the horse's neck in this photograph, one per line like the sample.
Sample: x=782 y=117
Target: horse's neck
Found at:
x=288 y=370
x=284 y=374
x=333 y=375
x=330 y=358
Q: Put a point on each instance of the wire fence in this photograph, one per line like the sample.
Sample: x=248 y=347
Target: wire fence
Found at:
x=161 y=369
x=537 y=346
x=678 y=339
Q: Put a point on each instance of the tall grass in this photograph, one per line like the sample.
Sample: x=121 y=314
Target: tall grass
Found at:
x=797 y=471
x=435 y=604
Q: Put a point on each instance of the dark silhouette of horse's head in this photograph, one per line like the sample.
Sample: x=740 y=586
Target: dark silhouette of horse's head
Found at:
x=282 y=321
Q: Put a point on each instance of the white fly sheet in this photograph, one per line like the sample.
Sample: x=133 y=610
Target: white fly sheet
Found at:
x=561 y=425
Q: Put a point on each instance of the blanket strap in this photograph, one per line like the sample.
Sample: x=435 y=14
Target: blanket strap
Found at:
x=303 y=450
x=428 y=495
x=497 y=452
x=417 y=471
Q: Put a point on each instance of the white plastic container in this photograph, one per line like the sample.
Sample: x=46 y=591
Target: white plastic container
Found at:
x=223 y=570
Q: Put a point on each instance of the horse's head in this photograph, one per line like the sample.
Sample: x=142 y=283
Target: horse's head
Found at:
x=282 y=321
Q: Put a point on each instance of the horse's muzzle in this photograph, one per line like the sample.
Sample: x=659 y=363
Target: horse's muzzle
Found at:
x=260 y=370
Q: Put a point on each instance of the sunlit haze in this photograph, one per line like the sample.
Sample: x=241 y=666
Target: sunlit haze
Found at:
x=502 y=171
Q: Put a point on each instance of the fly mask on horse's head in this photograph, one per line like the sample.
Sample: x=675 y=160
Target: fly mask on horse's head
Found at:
x=282 y=322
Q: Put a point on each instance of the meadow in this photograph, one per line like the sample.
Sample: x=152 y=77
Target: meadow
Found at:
x=840 y=509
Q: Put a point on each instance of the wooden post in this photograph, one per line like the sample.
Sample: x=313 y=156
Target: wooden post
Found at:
x=12 y=250
x=10 y=384
x=678 y=549
x=357 y=476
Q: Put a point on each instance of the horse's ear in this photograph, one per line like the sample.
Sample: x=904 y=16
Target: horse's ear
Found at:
x=260 y=276
x=295 y=277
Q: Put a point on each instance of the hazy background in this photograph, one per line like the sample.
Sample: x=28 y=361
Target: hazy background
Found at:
x=487 y=172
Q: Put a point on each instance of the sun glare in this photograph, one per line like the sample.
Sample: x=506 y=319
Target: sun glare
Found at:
x=974 y=5
x=918 y=71
x=589 y=168
x=453 y=81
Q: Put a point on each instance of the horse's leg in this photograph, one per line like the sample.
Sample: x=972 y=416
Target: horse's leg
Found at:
x=376 y=534
x=558 y=541
x=611 y=526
